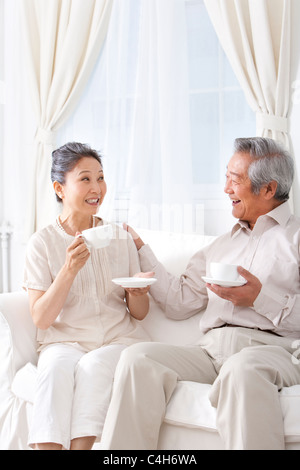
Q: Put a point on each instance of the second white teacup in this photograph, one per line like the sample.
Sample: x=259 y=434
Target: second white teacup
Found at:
x=224 y=272
x=98 y=237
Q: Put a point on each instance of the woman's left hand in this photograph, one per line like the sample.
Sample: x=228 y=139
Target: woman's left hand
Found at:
x=137 y=298
x=137 y=291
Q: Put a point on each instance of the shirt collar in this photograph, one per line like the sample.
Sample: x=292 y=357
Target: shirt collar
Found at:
x=280 y=214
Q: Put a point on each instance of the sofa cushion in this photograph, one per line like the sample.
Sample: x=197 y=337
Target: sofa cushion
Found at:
x=165 y=330
x=190 y=406
x=23 y=385
x=174 y=250
x=289 y=400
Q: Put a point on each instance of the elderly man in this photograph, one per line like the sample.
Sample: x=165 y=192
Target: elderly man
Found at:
x=247 y=345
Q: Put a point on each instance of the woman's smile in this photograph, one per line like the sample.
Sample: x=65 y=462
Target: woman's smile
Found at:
x=93 y=201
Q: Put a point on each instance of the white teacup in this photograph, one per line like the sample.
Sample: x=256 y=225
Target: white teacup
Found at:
x=224 y=272
x=98 y=237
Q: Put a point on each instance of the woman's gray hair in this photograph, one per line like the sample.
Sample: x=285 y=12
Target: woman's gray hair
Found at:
x=271 y=162
x=66 y=157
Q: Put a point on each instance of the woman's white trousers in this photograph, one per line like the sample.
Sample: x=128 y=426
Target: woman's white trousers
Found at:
x=73 y=392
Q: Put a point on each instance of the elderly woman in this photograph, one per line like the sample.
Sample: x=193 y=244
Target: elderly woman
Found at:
x=83 y=320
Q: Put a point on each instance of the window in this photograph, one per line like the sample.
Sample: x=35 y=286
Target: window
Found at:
x=218 y=113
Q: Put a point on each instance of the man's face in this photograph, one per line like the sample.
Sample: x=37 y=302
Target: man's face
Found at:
x=246 y=205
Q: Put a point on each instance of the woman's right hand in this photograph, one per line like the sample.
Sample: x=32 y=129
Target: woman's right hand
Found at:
x=77 y=254
x=46 y=306
x=136 y=238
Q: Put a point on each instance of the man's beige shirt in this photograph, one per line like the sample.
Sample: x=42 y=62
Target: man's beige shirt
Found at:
x=270 y=252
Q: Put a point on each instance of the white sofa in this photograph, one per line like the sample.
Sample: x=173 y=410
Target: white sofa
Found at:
x=190 y=419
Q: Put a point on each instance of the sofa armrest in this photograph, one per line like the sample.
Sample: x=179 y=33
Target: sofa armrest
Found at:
x=17 y=333
x=17 y=348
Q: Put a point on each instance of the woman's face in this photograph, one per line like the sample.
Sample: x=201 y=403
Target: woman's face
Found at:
x=85 y=187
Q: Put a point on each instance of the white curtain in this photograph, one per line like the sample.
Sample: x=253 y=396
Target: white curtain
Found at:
x=255 y=35
x=138 y=108
x=159 y=171
x=63 y=39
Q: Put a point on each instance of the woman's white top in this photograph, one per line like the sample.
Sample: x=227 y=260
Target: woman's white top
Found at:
x=95 y=312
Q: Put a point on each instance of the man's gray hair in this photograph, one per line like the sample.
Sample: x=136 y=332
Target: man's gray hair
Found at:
x=271 y=162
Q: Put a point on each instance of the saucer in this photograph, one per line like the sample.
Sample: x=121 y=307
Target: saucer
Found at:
x=134 y=282
x=224 y=283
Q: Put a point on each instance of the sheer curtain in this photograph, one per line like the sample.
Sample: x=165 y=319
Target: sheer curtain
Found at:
x=104 y=115
x=159 y=171
x=163 y=106
x=63 y=40
x=255 y=35
x=142 y=113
